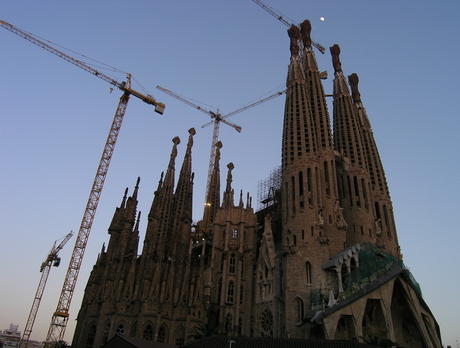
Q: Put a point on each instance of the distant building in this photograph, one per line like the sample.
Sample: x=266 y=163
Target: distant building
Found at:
x=10 y=337
x=319 y=260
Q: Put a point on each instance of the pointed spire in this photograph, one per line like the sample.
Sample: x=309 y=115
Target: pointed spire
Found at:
x=348 y=136
x=228 y=194
x=136 y=188
x=123 y=201
x=241 y=204
x=213 y=198
x=183 y=193
x=169 y=179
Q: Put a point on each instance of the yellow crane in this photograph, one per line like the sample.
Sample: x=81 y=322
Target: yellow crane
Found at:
x=216 y=118
x=51 y=260
x=60 y=317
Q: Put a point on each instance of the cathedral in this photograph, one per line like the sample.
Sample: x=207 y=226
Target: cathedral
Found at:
x=320 y=260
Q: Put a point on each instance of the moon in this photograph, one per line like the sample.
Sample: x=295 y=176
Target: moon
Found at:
x=321 y=19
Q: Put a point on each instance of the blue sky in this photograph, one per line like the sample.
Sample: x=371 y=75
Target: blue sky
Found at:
x=54 y=120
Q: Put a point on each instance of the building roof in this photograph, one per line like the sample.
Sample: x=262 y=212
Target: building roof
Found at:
x=265 y=342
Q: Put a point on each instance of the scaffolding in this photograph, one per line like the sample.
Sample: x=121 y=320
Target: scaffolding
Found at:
x=373 y=264
x=267 y=188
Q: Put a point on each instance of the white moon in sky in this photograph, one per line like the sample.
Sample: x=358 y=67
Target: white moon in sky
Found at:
x=322 y=19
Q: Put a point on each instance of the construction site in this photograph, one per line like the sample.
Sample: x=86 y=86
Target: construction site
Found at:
x=315 y=257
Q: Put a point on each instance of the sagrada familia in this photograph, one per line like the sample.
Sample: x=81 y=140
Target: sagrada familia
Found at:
x=319 y=261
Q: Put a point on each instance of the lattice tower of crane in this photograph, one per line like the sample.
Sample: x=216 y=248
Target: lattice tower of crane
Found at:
x=52 y=259
x=60 y=317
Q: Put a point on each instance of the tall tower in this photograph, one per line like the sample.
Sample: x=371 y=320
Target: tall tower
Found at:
x=311 y=235
x=234 y=243
x=355 y=191
x=384 y=224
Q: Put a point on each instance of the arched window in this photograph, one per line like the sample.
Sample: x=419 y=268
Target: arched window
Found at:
x=219 y=290
x=231 y=264
x=120 y=329
x=91 y=336
x=105 y=336
x=162 y=334
x=300 y=308
x=241 y=294
x=308 y=272
x=230 y=291
x=180 y=336
x=147 y=335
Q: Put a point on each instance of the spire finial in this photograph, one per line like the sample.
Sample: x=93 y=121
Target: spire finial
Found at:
x=123 y=201
x=230 y=167
x=294 y=35
x=335 y=52
x=353 y=81
x=305 y=29
x=192 y=132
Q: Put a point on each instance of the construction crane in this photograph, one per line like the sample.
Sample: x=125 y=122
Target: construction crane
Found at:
x=51 y=260
x=285 y=22
x=216 y=118
x=60 y=317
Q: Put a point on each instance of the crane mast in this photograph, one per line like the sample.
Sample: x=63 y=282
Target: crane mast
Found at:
x=51 y=260
x=216 y=119
x=61 y=315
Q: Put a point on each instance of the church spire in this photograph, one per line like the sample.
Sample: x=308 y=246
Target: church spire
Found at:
x=385 y=226
x=178 y=239
x=353 y=177
x=228 y=194
x=213 y=198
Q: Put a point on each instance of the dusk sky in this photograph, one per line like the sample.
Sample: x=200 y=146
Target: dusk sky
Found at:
x=221 y=54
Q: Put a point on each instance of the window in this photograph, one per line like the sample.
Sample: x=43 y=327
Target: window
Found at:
x=241 y=294
x=148 y=333
x=91 y=336
x=219 y=291
x=105 y=336
x=266 y=322
x=231 y=264
x=180 y=336
x=121 y=330
x=230 y=291
x=308 y=272
x=234 y=233
x=161 y=334
x=300 y=307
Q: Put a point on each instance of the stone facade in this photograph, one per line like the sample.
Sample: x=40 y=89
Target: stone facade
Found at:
x=321 y=261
